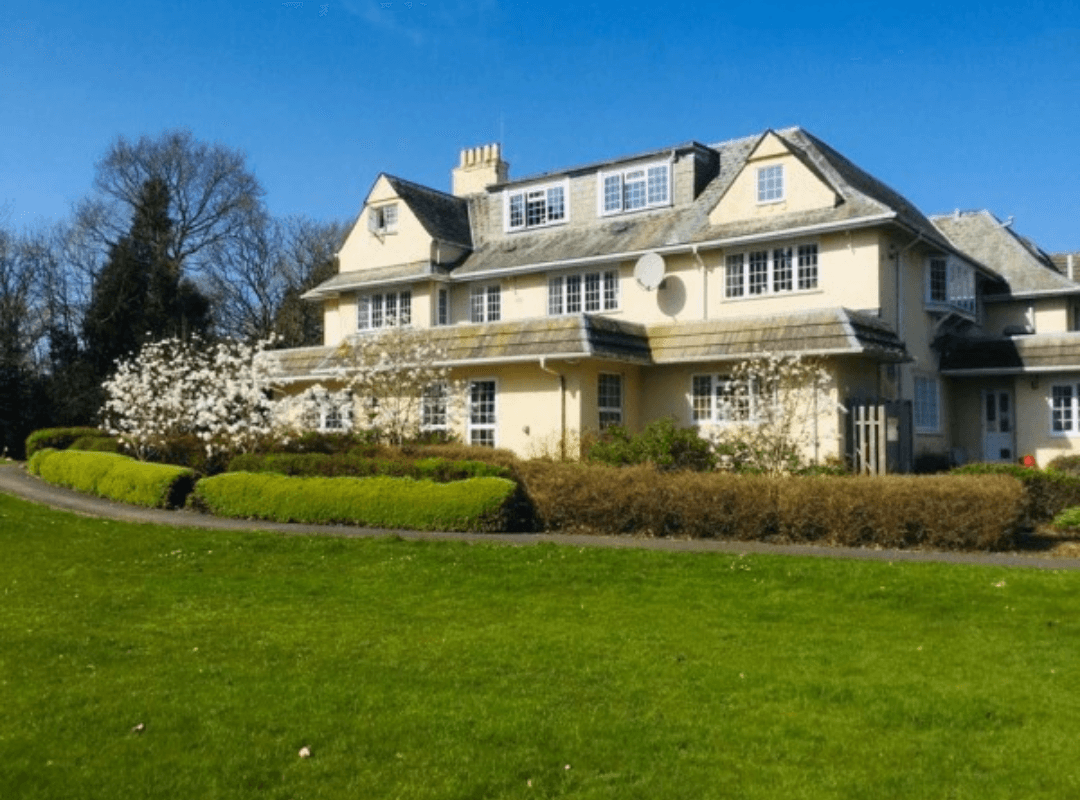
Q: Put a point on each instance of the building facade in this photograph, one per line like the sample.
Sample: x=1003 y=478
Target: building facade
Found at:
x=622 y=291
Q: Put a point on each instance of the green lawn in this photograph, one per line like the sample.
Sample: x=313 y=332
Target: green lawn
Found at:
x=450 y=670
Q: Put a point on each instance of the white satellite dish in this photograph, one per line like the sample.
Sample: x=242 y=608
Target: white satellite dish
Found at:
x=649 y=271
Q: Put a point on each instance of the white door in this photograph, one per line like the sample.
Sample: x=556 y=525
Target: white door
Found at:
x=998 y=426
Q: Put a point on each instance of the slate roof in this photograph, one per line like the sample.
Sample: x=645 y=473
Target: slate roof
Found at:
x=828 y=332
x=1061 y=262
x=862 y=197
x=444 y=216
x=1044 y=352
x=1020 y=263
x=356 y=279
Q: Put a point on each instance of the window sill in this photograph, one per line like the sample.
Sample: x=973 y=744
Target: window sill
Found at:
x=772 y=295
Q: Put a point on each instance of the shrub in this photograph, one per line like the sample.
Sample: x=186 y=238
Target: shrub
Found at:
x=1046 y=492
x=661 y=443
x=1069 y=519
x=115 y=476
x=357 y=465
x=96 y=444
x=59 y=438
x=895 y=511
x=1070 y=465
x=931 y=463
x=477 y=504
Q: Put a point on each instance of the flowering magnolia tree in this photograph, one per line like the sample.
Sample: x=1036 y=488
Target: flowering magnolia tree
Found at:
x=400 y=384
x=218 y=393
x=770 y=409
x=315 y=407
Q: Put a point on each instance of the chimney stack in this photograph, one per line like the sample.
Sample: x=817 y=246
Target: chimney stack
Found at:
x=479 y=168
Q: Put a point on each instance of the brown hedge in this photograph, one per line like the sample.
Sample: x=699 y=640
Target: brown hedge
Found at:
x=942 y=512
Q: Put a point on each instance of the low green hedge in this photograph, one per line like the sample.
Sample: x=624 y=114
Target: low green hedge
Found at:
x=358 y=465
x=96 y=444
x=59 y=438
x=115 y=476
x=477 y=504
x=942 y=512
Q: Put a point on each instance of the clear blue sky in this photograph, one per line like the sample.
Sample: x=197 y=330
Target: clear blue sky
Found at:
x=969 y=105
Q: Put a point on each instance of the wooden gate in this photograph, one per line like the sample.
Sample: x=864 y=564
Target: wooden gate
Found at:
x=879 y=437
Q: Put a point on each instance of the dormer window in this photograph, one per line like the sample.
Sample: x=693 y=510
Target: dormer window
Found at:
x=635 y=188
x=383 y=219
x=536 y=207
x=950 y=284
x=770 y=183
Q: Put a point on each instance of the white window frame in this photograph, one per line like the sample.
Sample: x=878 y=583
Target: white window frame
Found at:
x=383 y=219
x=777 y=269
x=489 y=423
x=616 y=188
x=485 y=303
x=442 y=306
x=1064 y=406
x=372 y=309
x=574 y=292
x=546 y=193
x=950 y=284
x=926 y=404
x=609 y=409
x=771 y=184
x=435 y=408
x=725 y=402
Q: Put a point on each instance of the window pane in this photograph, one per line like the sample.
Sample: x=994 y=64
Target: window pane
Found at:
x=609 y=400
x=734 y=276
x=782 y=269
x=493 y=304
x=573 y=294
x=611 y=290
x=658 y=185
x=759 y=272
x=808 y=271
x=613 y=193
x=770 y=183
x=536 y=208
x=405 y=308
x=476 y=304
x=363 y=312
x=702 y=398
x=634 y=190
x=1061 y=408
x=517 y=210
x=555 y=296
x=376 y=311
x=592 y=291
x=556 y=209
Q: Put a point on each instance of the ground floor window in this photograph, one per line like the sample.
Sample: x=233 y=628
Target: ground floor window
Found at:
x=720 y=400
x=433 y=414
x=927 y=404
x=609 y=395
x=482 y=411
x=1064 y=398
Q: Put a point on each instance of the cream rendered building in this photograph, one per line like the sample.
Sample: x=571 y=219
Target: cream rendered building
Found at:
x=622 y=291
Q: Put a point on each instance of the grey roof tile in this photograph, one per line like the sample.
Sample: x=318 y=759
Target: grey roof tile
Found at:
x=444 y=216
x=1012 y=354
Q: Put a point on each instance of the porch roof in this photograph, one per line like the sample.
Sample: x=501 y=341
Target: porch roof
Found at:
x=1010 y=355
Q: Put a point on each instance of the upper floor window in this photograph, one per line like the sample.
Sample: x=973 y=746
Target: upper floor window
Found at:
x=950 y=282
x=768 y=271
x=588 y=292
x=1063 y=408
x=383 y=219
x=383 y=309
x=485 y=304
x=442 y=307
x=770 y=183
x=635 y=188
x=536 y=207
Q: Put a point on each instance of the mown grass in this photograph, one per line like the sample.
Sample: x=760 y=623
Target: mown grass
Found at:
x=450 y=670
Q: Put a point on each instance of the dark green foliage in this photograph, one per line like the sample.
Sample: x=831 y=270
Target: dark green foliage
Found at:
x=897 y=511
x=931 y=463
x=97 y=444
x=1046 y=492
x=359 y=464
x=141 y=294
x=1070 y=465
x=115 y=476
x=60 y=438
x=478 y=504
x=661 y=443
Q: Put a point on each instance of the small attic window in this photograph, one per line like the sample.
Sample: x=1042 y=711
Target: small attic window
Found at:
x=383 y=219
x=770 y=183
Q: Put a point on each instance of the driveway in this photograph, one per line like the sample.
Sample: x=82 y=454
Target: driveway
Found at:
x=14 y=480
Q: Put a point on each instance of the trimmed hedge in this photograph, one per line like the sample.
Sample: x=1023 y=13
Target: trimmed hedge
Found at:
x=897 y=511
x=477 y=504
x=1046 y=492
x=96 y=444
x=115 y=476
x=358 y=465
x=59 y=438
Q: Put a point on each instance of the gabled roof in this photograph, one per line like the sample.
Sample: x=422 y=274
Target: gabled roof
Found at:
x=444 y=216
x=1020 y=263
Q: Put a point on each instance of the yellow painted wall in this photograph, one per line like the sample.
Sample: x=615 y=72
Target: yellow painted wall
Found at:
x=366 y=250
x=803 y=189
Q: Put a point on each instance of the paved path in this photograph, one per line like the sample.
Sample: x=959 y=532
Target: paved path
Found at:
x=14 y=480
